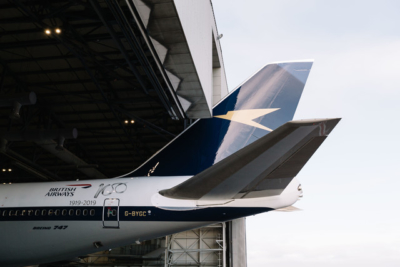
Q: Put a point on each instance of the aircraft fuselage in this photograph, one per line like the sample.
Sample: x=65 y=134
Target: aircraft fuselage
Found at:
x=60 y=220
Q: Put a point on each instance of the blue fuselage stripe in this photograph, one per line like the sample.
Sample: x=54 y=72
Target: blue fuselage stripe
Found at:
x=126 y=213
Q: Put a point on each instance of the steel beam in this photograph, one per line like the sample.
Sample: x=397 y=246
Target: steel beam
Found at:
x=40 y=135
x=29 y=166
x=117 y=40
x=46 y=58
x=23 y=99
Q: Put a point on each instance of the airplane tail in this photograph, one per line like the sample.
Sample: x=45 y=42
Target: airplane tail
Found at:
x=262 y=169
x=257 y=107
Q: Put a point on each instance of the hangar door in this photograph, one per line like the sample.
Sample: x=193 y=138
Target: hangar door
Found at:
x=111 y=213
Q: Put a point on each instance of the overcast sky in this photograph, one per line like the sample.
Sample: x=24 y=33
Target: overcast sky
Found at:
x=351 y=213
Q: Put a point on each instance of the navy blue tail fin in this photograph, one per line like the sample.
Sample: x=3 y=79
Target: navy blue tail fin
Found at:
x=261 y=104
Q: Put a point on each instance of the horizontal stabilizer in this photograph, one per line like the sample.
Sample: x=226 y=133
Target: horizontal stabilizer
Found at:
x=263 y=168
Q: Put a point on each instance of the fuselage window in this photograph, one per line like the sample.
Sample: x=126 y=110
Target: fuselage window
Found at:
x=57 y=212
x=16 y=213
x=85 y=212
x=64 y=212
x=92 y=212
x=23 y=213
x=30 y=212
x=71 y=212
x=44 y=212
x=11 y=213
x=78 y=212
x=114 y=212
x=5 y=213
x=37 y=212
x=51 y=212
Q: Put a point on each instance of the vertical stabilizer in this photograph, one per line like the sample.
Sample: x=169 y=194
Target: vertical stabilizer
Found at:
x=261 y=104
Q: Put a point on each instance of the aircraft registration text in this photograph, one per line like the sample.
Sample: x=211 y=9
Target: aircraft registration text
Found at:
x=136 y=213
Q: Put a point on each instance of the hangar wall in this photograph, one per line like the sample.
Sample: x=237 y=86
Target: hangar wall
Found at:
x=185 y=38
x=198 y=22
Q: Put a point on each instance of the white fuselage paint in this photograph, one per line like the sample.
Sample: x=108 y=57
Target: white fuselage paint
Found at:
x=143 y=214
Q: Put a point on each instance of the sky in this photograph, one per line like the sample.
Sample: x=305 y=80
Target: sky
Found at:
x=350 y=210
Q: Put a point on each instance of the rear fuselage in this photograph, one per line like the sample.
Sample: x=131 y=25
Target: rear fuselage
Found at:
x=60 y=220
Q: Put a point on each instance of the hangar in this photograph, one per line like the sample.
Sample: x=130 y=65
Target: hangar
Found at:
x=90 y=89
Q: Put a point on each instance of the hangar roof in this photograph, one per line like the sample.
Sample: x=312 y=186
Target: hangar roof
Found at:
x=90 y=68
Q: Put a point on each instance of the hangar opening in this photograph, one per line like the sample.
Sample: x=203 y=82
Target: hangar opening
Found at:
x=90 y=89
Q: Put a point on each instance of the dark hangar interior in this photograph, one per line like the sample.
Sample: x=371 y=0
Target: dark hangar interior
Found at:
x=81 y=96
